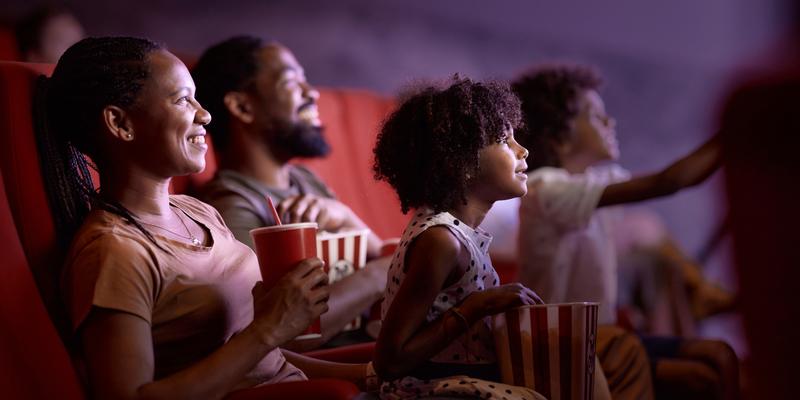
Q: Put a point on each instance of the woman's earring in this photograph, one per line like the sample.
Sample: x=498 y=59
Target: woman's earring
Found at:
x=128 y=136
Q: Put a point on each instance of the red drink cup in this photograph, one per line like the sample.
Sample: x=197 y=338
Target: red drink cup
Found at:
x=278 y=249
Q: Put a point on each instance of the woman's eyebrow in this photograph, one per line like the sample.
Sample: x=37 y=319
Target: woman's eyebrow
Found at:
x=187 y=88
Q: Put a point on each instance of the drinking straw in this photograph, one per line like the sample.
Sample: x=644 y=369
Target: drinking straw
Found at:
x=274 y=212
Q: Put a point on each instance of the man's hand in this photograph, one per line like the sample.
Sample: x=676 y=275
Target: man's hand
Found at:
x=329 y=214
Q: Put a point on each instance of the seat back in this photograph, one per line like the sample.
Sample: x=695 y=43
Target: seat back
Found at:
x=352 y=120
x=34 y=364
x=24 y=188
x=8 y=44
x=29 y=292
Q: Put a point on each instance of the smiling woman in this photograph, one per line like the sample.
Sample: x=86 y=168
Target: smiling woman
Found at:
x=173 y=310
x=171 y=127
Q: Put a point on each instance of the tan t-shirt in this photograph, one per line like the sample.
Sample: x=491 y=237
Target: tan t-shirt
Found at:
x=195 y=298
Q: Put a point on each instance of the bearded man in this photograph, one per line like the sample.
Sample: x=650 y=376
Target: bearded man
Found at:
x=264 y=115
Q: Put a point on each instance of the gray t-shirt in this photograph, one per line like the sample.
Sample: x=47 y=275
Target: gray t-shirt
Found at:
x=242 y=201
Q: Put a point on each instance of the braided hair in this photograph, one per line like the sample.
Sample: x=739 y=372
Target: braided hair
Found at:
x=226 y=67
x=91 y=74
x=550 y=94
x=428 y=146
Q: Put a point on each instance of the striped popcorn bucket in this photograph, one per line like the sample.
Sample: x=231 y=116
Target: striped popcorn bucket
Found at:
x=343 y=253
x=548 y=348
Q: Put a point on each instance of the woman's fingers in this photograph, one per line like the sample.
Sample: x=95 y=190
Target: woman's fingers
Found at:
x=306 y=267
x=310 y=273
x=296 y=300
x=319 y=295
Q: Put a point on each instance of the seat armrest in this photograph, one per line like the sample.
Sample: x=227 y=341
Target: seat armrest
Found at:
x=356 y=353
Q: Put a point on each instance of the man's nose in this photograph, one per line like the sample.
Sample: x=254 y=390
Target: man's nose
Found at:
x=309 y=91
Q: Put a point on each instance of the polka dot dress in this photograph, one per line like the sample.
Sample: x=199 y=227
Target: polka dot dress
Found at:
x=455 y=386
x=476 y=346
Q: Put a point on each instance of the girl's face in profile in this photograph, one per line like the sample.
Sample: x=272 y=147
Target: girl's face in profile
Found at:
x=593 y=135
x=169 y=123
x=502 y=170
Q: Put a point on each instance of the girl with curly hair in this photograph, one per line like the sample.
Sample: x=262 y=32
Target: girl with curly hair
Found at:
x=449 y=152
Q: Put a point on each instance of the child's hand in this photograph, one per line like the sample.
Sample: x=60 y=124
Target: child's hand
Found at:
x=501 y=298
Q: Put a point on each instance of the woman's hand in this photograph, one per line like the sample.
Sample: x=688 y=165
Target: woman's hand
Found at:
x=496 y=300
x=293 y=304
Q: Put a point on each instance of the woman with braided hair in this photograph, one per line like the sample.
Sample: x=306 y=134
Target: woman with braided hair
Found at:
x=157 y=289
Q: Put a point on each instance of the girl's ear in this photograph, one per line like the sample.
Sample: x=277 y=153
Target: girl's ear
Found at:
x=118 y=122
x=240 y=106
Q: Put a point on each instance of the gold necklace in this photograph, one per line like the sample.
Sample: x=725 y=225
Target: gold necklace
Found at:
x=191 y=237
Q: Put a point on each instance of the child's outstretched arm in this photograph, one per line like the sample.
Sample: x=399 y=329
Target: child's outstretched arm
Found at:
x=436 y=260
x=685 y=172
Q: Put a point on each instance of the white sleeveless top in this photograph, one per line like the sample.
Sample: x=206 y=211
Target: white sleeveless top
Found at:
x=476 y=346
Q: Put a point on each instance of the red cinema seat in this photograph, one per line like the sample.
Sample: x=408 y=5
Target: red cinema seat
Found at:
x=8 y=45
x=352 y=120
x=23 y=184
x=34 y=362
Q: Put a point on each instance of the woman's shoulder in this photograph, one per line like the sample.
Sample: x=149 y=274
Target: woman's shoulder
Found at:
x=107 y=235
x=106 y=226
x=202 y=212
x=189 y=203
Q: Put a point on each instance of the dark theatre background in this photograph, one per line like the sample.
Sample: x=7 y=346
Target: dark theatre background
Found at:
x=669 y=65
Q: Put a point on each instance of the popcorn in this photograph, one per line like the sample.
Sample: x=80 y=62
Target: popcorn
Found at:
x=343 y=253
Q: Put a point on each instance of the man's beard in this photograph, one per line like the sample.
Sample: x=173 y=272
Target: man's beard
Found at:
x=301 y=140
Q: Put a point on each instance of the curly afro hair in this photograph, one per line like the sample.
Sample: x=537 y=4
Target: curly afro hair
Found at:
x=550 y=94
x=430 y=144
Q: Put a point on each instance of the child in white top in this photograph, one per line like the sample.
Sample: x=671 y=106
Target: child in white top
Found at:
x=449 y=152
x=566 y=238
